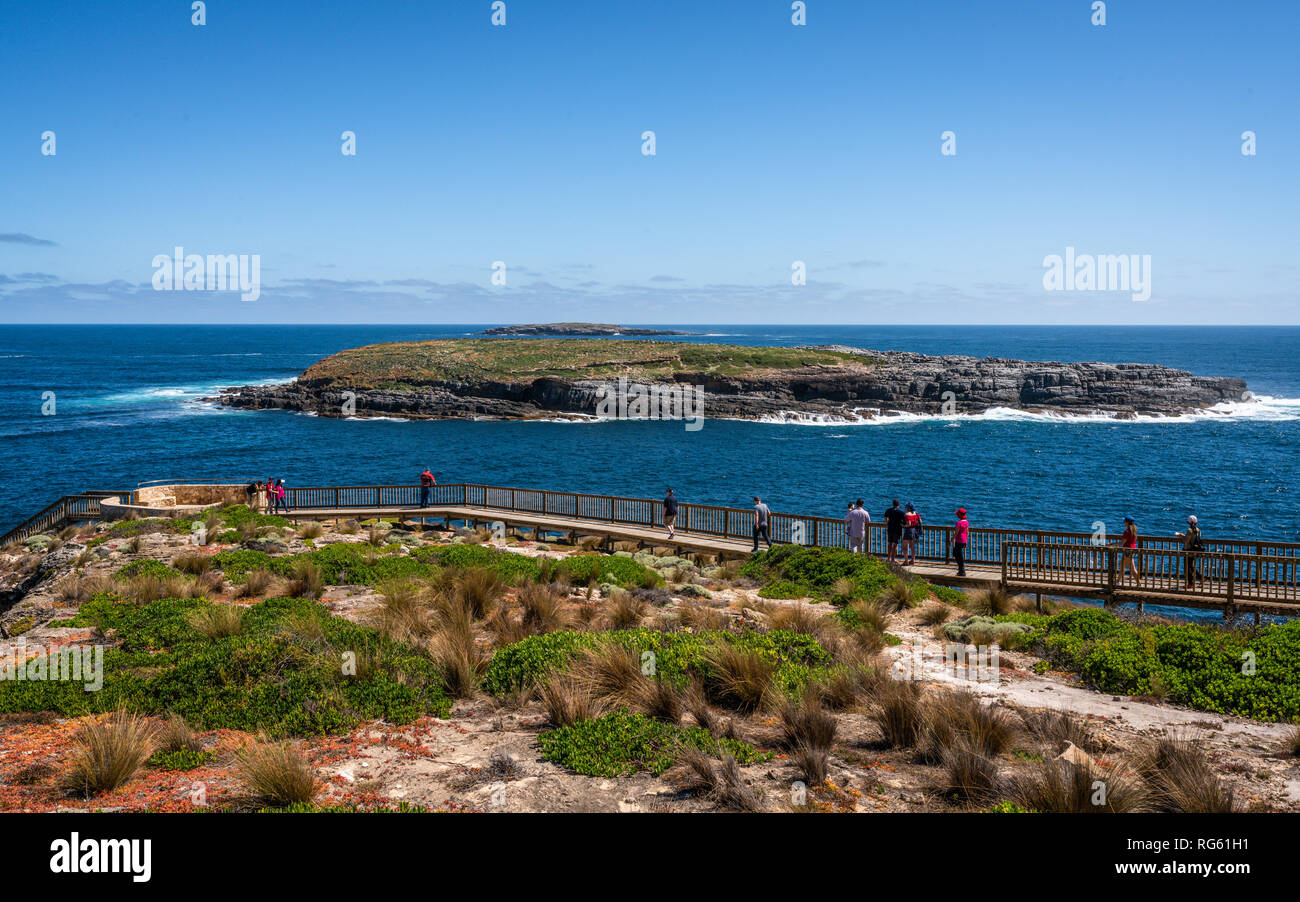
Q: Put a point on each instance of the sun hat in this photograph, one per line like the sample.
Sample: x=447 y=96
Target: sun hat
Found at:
x=961 y=511
x=1192 y=519
x=1128 y=520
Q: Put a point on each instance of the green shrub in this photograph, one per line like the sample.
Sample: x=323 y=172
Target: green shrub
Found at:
x=620 y=743
x=1200 y=666
x=237 y=515
x=796 y=571
x=798 y=658
x=180 y=759
x=624 y=572
x=146 y=567
x=283 y=673
x=237 y=564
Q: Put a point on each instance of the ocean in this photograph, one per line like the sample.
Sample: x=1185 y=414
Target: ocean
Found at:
x=126 y=409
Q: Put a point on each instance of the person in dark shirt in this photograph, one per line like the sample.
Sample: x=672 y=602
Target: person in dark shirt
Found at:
x=761 y=513
x=670 y=513
x=894 y=528
x=427 y=483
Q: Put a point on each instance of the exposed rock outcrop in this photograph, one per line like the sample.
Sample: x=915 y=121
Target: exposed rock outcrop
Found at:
x=887 y=382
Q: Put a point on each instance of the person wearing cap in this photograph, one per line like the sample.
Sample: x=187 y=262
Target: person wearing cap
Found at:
x=1192 y=543
x=1129 y=543
x=960 y=539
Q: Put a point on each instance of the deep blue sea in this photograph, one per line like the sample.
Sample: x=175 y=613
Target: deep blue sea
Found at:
x=127 y=412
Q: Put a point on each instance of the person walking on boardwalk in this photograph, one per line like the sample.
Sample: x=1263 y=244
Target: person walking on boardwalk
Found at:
x=761 y=513
x=670 y=513
x=281 y=506
x=427 y=482
x=1129 y=543
x=268 y=495
x=893 y=528
x=960 y=539
x=912 y=526
x=1192 y=543
x=856 y=521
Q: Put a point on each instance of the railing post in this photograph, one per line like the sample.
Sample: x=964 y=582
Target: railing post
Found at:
x=1110 y=575
x=1232 y=586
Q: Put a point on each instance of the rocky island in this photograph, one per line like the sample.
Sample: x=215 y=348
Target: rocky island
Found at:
x=547 y=378
x=576 y=329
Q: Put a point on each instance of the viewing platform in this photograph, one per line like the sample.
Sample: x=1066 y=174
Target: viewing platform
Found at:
x=1239 y=576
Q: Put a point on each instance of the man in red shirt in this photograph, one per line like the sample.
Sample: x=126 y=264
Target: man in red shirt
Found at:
x=426 y=482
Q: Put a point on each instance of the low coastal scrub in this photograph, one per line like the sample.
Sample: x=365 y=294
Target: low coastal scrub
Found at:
x=285 y=670
x=794 y=659
x=620 y=743
x=1251 y=673
x=796 y=571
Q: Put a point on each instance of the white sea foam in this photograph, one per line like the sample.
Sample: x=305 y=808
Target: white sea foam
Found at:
x=190 y=391
x=1263 y=408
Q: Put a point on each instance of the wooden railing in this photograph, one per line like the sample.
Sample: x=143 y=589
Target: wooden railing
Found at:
x=1216 y=576
x=1236 y=569
x=68 y=509
x=985 y=545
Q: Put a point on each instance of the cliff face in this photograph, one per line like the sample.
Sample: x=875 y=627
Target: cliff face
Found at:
x=894 y=382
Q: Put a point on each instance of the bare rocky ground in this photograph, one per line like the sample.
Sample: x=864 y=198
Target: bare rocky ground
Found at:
x=486 y=758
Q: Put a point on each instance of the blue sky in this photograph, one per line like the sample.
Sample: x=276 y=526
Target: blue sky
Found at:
x=775 y=144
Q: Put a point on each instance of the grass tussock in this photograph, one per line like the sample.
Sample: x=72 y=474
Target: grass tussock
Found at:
x=970 y=775
x=738 y=678
x=542 y=611
x=276 y=775
x=725 y=783
x=306 y=580
x=256 y=584
x=217 y=621
x=1291 y=741
x=872 y=616
x=895 y=596
x=404 y=613
x=795 y=618
x=625 y=610
x=1059 y=787
x=1179 y=779
x=935 y=613
x=1055 y=728
x=193 y=563
x=567 y=700
x=453 y=647
x=311 y=530
x=993 y=600
x=479 y=589
x=175 y=735
x=107 y=753
x=899 y=713
x=76 y=589
x=701 y=618
x=952 y=719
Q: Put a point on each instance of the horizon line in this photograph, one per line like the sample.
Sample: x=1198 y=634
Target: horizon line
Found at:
x=743 y=325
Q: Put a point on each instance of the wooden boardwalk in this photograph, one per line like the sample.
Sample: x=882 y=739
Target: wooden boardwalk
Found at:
x=1156 y=587
x=1238 y=575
